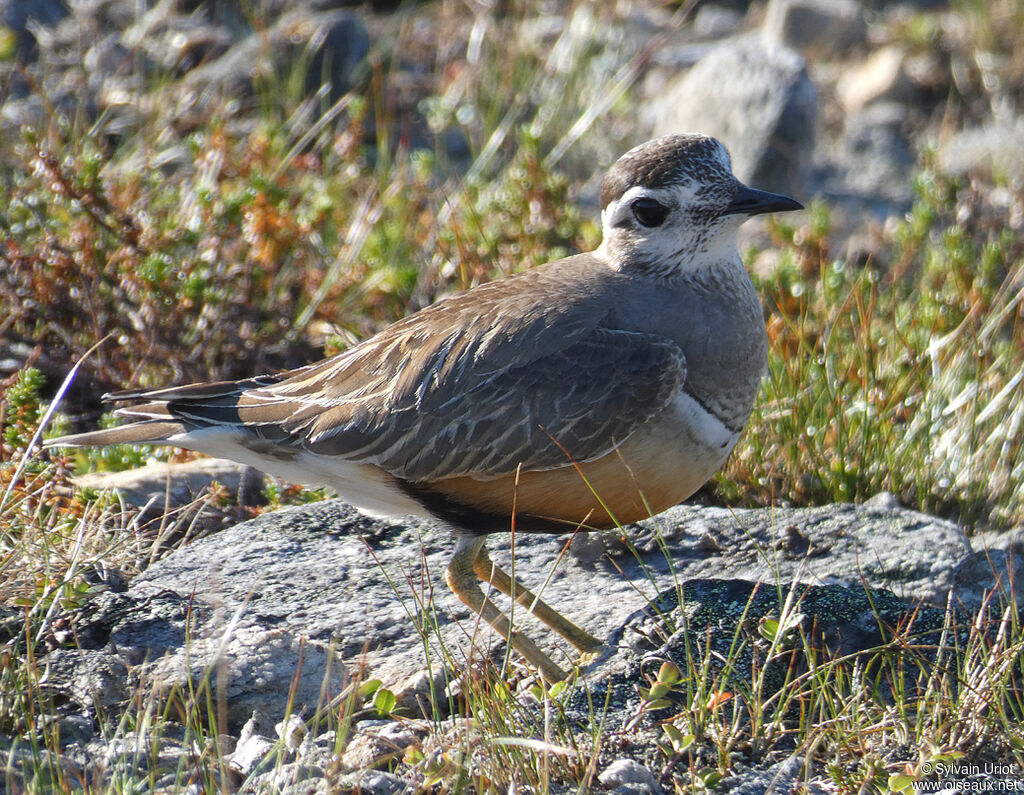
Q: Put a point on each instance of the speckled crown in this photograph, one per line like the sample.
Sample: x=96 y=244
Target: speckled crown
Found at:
x=664 y=161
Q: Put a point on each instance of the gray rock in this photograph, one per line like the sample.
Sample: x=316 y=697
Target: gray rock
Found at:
x=178 y=498
x=90 y=679
x=369 y=748
x=249 y=754
x=78 y=729
x=139 y=755
x=170 y=485
x=423 y=692
x=331 y=587
x=869 y=168
x=629 y=776
x=292 y=732
x=100 y=60
x=881 y=77
x=24 y=18
x=819 y=25
x=716 y=21
x=724 y=628
x=402 y=735
x=373 y=782
x=783 y=777
x=992 y=150
x=136 y=629
x=172 y=640
x=258 y=666
x=997 y=561
x=332 y=43
x=258 y=725
x=254 y=743
x=755 y=95
x=292 y=778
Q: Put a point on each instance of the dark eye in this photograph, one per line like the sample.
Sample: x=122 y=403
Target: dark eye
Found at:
x=649 y=212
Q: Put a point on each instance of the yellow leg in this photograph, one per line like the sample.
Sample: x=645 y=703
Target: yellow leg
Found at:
x=462 y=579
x=488 y=571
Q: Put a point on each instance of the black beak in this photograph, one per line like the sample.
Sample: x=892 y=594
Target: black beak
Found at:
x=750 y=201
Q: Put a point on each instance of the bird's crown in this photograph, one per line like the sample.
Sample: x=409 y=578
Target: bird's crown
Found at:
x=667 y=161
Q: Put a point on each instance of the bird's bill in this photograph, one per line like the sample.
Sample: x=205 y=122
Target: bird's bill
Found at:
x=751 y=201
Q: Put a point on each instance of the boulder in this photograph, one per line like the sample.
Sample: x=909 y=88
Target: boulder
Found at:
x=754 y=95
x=816 y=25
x=310 y=594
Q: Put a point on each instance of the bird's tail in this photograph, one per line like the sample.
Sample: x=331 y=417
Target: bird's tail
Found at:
x=161 y=416
x=145 y=432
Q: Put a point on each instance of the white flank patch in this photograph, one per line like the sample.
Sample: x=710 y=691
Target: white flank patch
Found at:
x=361 y=485
x=705 y=428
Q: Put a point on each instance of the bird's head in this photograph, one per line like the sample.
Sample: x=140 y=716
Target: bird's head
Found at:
x=673 y=204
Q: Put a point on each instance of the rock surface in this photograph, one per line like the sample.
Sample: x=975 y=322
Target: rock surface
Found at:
x=629 y=776
x=339 y=591
x=171 y=486
x=835 y=25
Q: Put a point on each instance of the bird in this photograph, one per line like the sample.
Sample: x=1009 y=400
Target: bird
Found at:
x=586 y=393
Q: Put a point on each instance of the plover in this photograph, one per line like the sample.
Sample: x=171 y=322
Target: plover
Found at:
x=585 y=393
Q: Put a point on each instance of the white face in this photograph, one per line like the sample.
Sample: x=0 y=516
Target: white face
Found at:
x=672 y=229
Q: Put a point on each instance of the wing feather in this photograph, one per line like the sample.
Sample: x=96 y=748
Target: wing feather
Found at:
x=478 y=384
x=577 y=402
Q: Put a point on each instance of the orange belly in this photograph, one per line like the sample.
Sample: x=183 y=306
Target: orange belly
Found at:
x=643 y=477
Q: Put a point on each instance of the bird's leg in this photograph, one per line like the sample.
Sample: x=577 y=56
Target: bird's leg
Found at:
x=462 y=579
x=488 y=571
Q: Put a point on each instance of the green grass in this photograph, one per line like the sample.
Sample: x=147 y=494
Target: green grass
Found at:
x=903 y=378
x=320 y=226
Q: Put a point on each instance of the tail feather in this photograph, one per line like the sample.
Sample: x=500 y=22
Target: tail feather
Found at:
x=145 y=411
x=210 y=389
x=159 y=414
x=145 y=432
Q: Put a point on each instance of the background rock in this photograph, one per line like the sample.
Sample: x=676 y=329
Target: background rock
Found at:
x=993 y=150
x=835 y=25
x=24 y=18
x=755 y=95
x=174 y=485
x=882 y=77
x=868 y=169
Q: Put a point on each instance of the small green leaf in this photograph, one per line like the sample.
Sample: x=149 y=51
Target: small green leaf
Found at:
x=369 y=687
x=669 y=673
x=680 y=742
x=769 y=628
x=384 y=701
x=658 y=690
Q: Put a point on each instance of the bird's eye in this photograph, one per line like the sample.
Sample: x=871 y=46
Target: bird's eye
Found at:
x=649 y=212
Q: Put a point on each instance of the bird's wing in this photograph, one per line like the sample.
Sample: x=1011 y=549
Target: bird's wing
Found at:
x=476 y=385
x=574 y=404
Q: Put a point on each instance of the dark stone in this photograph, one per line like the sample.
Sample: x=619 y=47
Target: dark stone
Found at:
x=20 y=16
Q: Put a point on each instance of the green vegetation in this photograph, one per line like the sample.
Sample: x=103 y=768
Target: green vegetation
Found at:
x=905 y=378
